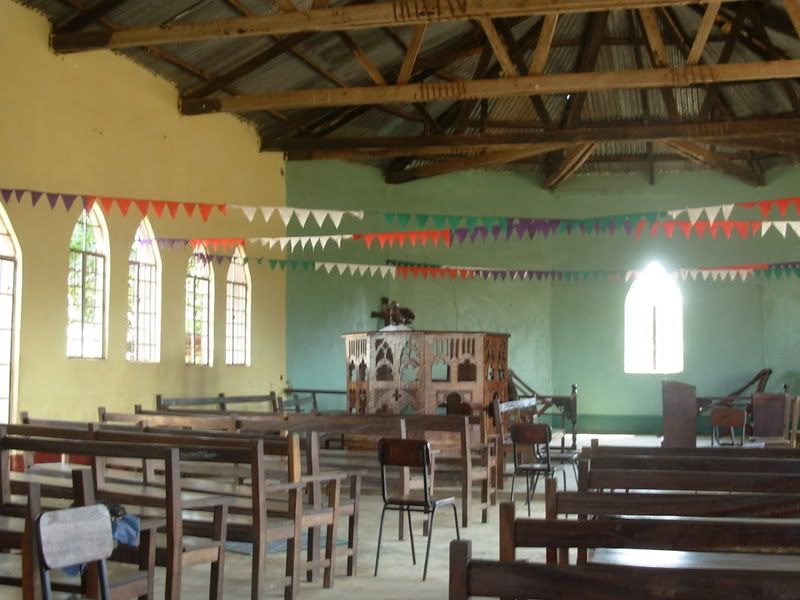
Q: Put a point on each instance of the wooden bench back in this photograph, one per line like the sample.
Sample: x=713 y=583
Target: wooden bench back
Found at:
x=498 y=579
x=220 y=422
x=558 y=504
x=504 y=414
x=688 y=535
x=221 y=401
x=596 y=449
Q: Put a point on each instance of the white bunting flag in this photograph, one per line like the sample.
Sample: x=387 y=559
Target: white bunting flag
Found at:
x=744 y=274
x=712 y=212
x=694 y=214
x=727 y=209
x=765 y=225
x=388 y=270
x=267 y=212
x=249 y=212
x=795 y=225
x=286 y=215
x=301 y=214
x=319 y=216
x=674 y=214
x=781 y=227
x=336 y=217
x=693 y=273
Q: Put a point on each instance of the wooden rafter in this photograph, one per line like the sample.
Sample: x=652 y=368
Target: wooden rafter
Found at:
x=644 y=98
x=498 y=47
x=577 y=156
x=717 y=161
x=543 y=45
x=379 y=14
x=473 y=162
x=725 y=56
x=613 y=132
x=700 y=39
x=793 y=9
x=86 y=16
x=414 y=46
x=519 y=66
x=561 y=83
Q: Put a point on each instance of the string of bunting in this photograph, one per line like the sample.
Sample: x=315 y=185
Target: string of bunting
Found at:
x=300 y=215
x=400 y=270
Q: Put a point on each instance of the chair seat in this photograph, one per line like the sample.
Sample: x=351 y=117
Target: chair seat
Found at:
x=566 y=456
x=418 y=501
x=537 y=468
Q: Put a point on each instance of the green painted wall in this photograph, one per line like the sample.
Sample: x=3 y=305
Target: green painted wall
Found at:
x=561 y=332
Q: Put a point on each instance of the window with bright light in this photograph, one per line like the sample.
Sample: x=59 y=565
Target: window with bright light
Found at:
x=144 y=297
x=199 y=309
x=9 y=255
x=87 y=286
x=654 y=323
x=237 y=311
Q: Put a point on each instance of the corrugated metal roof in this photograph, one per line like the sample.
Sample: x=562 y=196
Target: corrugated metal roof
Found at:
x=327 y=52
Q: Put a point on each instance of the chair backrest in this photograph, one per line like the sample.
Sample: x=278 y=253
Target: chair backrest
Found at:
x=727 y=416
x=531 y=433
x=398 y=452
x=771 y=414
x=74 y=536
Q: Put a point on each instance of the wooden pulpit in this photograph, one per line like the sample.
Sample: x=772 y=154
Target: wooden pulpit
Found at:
x=679 y=410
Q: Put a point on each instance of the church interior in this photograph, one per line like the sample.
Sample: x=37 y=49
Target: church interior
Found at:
x=399 y=298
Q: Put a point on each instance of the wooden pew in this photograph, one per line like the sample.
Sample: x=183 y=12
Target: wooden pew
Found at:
x=202 y=451
x=219 y=422
x=502 y=579
x=718 y=535
x=171 y=499
x=220 y=402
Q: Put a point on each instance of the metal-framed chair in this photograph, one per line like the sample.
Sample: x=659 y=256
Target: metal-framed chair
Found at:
x=727 y=417
x=534 y=439
x=74 y=536
x=412 y=454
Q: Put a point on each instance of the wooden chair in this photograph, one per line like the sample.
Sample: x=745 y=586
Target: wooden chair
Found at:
x=412 y=454
x=74 y=536
x=773 y=418
x=727 y=417
x=533 y=440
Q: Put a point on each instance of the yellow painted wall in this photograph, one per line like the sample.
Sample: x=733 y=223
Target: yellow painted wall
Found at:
x=98 y=123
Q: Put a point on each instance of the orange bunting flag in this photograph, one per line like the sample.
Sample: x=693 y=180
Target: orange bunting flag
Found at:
x=669 y=228
x=189 y=208
x=743 y=229
x=158 y=207
x=88 y=202
x=686 y=228
x=727 y=227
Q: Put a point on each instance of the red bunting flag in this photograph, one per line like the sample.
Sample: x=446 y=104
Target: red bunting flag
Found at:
x=106 y=203
x=686 y=228
x=123 y=204
x=712 y=229
x=158 y=207
x=223 y=208
x=173 y=207
x=205 y=210
x=700 y=228
x=727 y=227
x=669 y=228
x=143 y=206
x=88 y=202
x=742 y=228
x=765 y=206
x=783 y=205
x=189 y=208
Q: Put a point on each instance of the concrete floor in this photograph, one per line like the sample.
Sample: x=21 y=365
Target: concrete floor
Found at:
x=398 y=579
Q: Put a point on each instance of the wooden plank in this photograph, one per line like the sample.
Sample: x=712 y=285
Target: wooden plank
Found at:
x=496 y=157
x=749 y=129
x=362 y=59
x=503 y=88
x=362 y=16
x=573 y=161
x=498 y=46
x=717 y=161
x=410 y=59
x=543 y=44
x=700 y=39
x=654 y=39
x=793 y=10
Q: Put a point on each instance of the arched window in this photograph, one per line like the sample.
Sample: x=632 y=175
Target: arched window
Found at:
x=144 y=297
x=199 y=309
x=237 y=311
x=87 y=288
x=654 y=323
x=9 y=275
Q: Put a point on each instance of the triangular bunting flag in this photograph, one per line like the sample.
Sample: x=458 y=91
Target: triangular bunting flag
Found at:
x=694 y=214
x=35 y=197
x=336 y=217
x=6 y=194
x=302 y=215
x=727 y=209
x=52 y=199
x=249 y=212
x=188 y=208
x=158 y=207
x=143 y=206
x=319 y=216
x=781 y=227
x=712 y=212
x=172 y=207
x=795 y=225
x=68 y=200
x=286 y=215
x=205 y=210
x=267 y=212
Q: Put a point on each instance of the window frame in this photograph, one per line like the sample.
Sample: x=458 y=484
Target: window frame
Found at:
x=651 y=317
x=15 y=261
x=231 y=351
x=136 y=282
x=199 y=254
x=104 y=259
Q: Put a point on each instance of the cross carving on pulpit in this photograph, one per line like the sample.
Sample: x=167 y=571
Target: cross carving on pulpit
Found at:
x=397 y=395
x=383 y=313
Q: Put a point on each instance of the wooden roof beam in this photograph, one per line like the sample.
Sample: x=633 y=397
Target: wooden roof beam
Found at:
x=410 y=59
x=793 y=10
x=366 y=16
x=560 y=83
x=487 y=159
x=717 y=161
x=86 y=16
x=574 y=159
x=750 y=129
x=543 y=45
x=703 y=31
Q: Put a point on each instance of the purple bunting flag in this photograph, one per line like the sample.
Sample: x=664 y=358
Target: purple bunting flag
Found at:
x=6 y=193
x=69 y=200
x=35 y=197
x=52 y=199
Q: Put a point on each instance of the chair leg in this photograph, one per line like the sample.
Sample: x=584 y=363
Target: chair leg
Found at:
x=575 y=472
x=428 y=549
x=47 y=593
x=102 y=575
x=455 y=515
x=411 y=535
x=528 y=492
x=513 y=480
x=380 y=535
x=564 y=475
